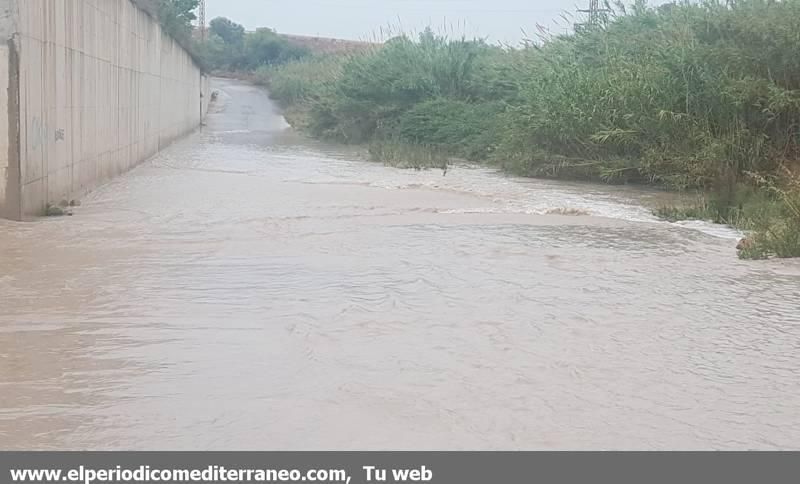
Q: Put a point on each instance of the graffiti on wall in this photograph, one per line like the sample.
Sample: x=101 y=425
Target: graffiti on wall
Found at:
x=41 y=133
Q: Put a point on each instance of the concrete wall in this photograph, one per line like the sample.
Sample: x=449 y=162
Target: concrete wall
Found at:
x=6 y=30
x=100 y=89
x=4 y=126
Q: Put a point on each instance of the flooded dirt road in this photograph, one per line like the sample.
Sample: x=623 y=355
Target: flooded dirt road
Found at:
x=251 y=289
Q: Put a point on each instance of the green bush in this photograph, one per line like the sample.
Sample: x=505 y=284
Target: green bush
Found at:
x=464 y=129
x=402 y=154
x=303 y=81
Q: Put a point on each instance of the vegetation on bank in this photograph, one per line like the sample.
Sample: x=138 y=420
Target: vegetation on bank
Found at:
x=229 y=48
x=687 y=96
x=175 y=17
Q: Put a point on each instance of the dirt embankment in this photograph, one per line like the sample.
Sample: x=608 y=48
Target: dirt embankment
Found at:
x=324 y=45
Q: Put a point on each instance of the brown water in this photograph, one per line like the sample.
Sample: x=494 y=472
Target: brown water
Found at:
x=250 y=289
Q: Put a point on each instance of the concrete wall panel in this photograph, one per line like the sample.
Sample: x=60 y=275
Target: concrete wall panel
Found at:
x=4 y=124
x=101 y=88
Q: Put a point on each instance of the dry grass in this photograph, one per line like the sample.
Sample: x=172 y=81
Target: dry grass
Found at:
x=323 y=45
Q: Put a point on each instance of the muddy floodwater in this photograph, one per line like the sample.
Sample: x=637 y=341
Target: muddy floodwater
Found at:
x=252 y=289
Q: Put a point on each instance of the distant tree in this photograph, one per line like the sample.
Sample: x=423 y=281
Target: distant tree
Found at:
x=230 y=48
x=216 y=54
x=177 y=16
x=230 y=32
x=265 y=47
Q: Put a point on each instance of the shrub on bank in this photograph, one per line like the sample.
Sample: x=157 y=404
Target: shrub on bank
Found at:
x=304 y=81
x=776 y=230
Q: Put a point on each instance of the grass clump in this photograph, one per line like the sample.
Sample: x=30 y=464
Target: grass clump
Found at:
x=739 y=206
x=768 y=210
x=303 y=81
x=776 y=233
x=676 y=213
x=56 y=211
x=408 y=155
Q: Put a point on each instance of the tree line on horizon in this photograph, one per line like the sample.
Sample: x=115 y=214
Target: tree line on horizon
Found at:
x=228 y=46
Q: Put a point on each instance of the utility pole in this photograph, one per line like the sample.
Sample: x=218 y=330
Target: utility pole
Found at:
x=201 y=20
x=596 y=16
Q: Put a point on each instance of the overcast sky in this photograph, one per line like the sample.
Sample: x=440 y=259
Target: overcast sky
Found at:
x=499 y=20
